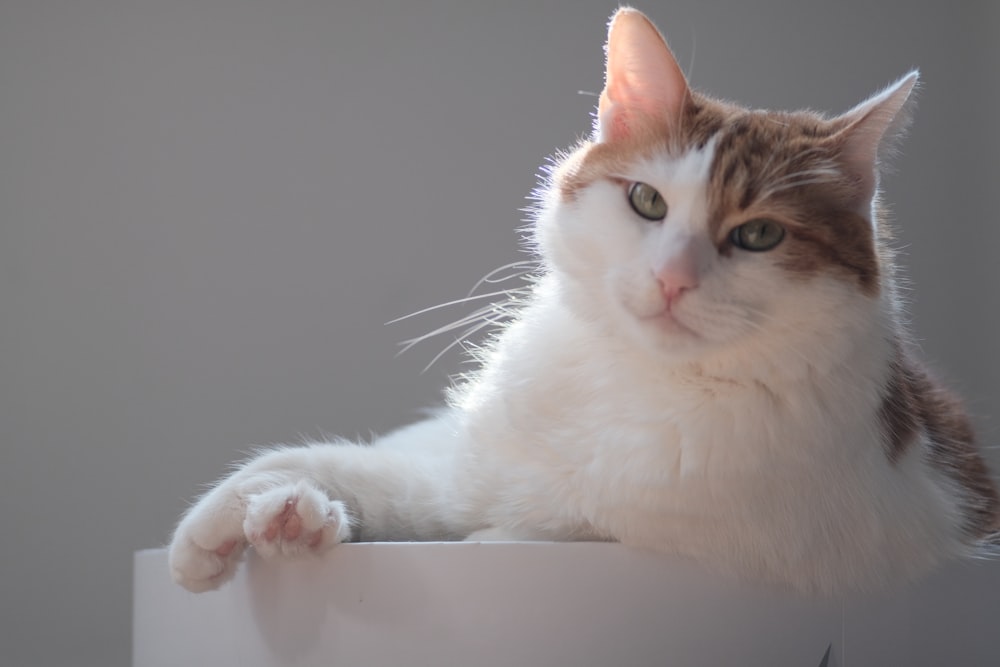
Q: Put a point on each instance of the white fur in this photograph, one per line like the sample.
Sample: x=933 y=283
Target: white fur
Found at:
x=746 y=437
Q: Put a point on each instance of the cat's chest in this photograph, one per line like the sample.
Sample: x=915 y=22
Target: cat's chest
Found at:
x=603 y=417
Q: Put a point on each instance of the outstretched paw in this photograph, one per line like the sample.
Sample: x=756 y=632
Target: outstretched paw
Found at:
x=204 y=554
x=285 y=520
x=294 y=519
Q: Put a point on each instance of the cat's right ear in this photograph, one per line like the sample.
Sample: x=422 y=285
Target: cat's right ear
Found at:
x=643 y=82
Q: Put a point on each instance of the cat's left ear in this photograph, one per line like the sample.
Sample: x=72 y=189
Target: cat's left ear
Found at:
x=643 y=82
x=871 y=131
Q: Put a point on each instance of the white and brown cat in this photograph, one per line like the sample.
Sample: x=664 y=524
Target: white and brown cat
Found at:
x=711 y=363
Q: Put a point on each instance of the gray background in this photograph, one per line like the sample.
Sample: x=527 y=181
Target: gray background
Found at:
x=209 y=208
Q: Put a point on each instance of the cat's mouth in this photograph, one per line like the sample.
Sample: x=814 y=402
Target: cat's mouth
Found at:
x=656 y=315
x=667 y=322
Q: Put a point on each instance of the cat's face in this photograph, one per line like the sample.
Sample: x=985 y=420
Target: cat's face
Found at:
x=698 y=227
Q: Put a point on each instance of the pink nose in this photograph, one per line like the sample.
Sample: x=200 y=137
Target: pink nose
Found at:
x=676 y=278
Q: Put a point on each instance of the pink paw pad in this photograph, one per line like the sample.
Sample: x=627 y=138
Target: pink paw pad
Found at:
x=293 y=519
x=287 y=524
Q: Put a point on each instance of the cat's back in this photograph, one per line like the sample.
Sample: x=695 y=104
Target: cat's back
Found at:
x=920 y=418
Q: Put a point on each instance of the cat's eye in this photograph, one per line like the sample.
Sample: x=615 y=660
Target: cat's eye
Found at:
x=647 y=201
x=757 y=235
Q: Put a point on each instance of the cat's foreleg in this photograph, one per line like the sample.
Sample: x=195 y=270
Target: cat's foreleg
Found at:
x=307 y=499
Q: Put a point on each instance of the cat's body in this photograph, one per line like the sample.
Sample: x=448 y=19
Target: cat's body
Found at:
x=711 y=363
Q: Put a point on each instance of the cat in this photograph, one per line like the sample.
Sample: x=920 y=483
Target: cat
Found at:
x=711 y=362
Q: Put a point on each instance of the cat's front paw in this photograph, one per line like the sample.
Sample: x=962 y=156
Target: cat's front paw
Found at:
x=207 y=546
x=289 y=519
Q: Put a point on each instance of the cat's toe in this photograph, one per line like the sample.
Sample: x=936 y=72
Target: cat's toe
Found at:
x=294 y=519
x=201 y=569
x=208 y=544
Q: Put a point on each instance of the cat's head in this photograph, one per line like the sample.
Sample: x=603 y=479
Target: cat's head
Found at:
x=698 y=227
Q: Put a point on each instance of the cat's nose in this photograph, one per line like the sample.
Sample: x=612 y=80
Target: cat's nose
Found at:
x=673 y=288
x=677 y=276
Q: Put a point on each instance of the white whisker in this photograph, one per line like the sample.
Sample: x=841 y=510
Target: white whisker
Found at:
x=523 y=267
x=826 y=172
x=475 y=316
x=765 y=172
x=779 y=167
x=496 y=314
x=466 y=299
x=796 y=179
x=459 y=340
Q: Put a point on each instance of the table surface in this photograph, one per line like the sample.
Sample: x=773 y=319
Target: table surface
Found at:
x=544 y=603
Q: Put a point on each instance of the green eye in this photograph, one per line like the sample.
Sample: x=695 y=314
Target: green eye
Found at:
x=647 y=202
x=757 y=235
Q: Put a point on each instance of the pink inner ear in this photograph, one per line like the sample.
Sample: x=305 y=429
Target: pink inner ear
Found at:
x=643 y=81
x=872 y=128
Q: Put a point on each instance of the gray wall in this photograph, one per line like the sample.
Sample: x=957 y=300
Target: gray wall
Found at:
x=208 y=208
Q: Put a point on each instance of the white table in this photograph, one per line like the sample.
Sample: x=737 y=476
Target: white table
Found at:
x=522 y=604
